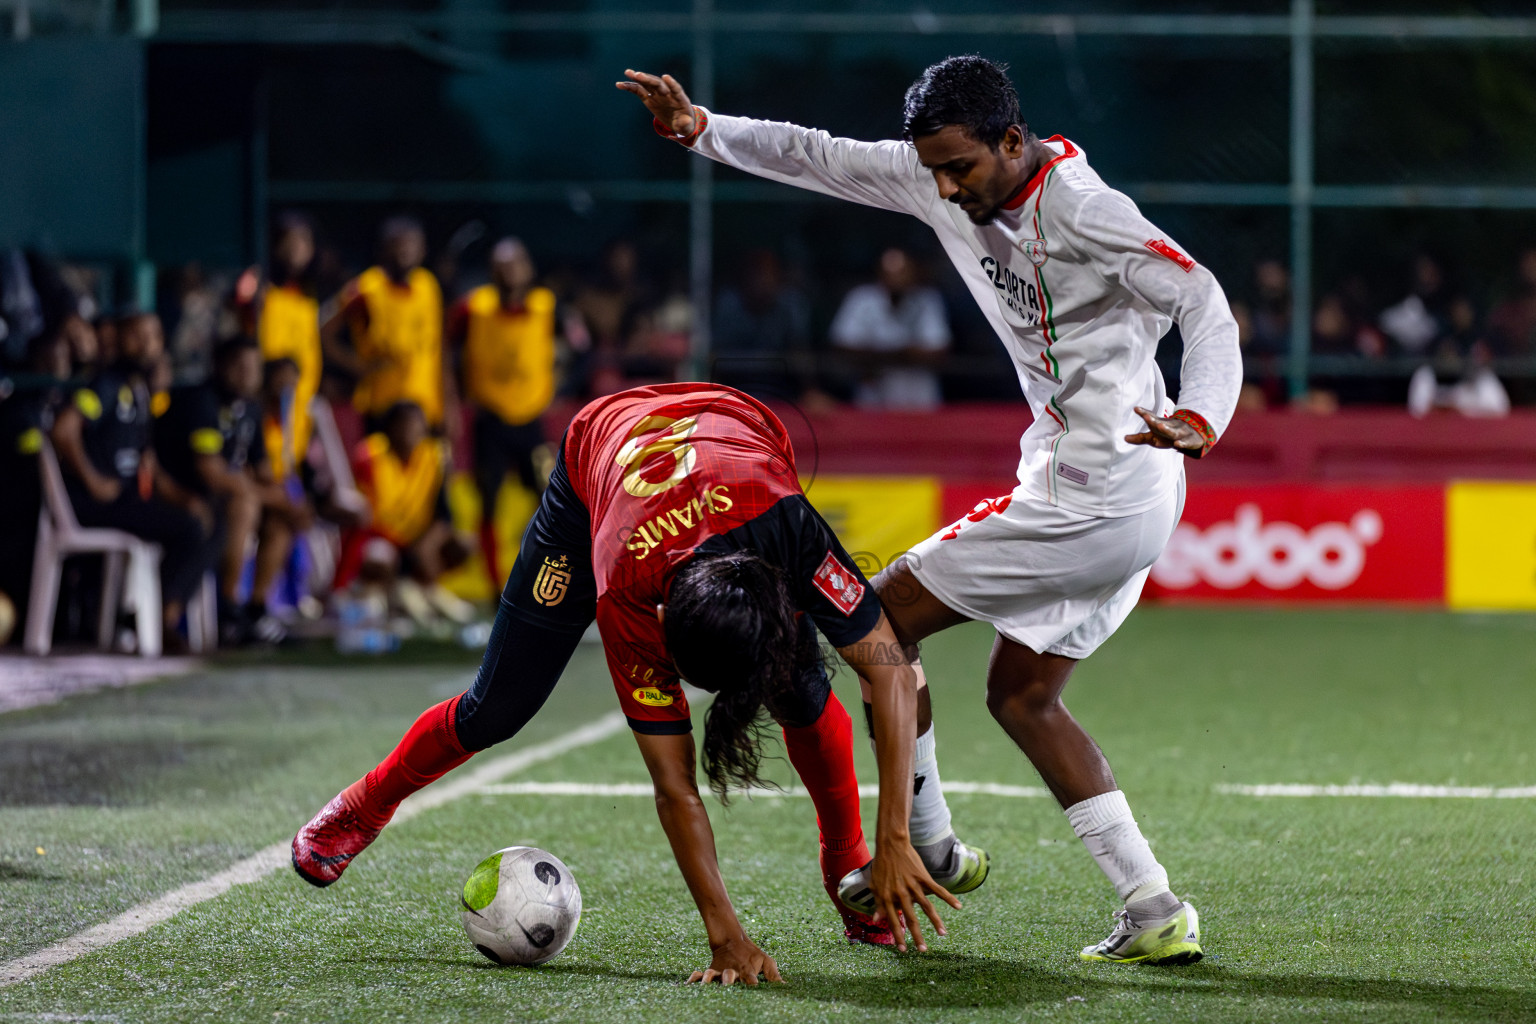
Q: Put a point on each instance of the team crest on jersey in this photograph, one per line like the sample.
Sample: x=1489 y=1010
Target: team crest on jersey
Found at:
x=1034 y=248
x=552 y=582
x=839 y=586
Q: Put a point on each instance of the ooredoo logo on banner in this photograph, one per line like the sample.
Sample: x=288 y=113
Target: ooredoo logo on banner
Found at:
x=1288 y=542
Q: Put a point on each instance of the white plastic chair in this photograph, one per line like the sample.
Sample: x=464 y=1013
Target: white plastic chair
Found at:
x=324 y=538
x=203 y=617
x=131 y=569
x=334 y=454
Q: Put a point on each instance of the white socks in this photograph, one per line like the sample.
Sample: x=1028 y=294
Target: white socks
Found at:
x=930 y=813
x=1105 y=826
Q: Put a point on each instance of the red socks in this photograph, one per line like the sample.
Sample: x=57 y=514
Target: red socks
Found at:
x=429 y=750
x=488 y=552
x=823 y=755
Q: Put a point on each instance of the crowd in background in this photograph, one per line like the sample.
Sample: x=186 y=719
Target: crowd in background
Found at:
x=289 y=431
x=1429 y=319
x=246 y=419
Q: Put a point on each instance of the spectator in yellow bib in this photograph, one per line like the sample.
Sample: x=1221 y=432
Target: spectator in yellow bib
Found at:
x=280 y=311
x=410 y=542
x=504 y=333
x=393 y=313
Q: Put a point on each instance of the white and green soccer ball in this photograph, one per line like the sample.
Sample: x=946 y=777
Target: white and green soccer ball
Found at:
x=521 y=906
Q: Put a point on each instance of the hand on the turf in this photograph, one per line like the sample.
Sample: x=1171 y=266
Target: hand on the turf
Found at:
x=1165 y=432
x=738 y=958
x=663 y=97
x=900 y=884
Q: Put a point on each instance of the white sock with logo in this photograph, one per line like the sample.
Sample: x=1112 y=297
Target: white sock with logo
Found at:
x=929 y=826
x=930 y=812
x=1105 y=825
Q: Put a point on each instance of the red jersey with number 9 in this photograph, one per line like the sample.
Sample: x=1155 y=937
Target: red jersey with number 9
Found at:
x=662 y=469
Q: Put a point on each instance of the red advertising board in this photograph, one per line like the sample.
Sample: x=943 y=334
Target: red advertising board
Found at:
x=1306 y=542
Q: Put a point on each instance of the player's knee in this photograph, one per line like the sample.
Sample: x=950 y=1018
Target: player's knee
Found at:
x=1020 y=698
x=476 y=729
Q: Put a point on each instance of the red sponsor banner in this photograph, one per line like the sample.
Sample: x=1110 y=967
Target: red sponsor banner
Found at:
x=1306 y=542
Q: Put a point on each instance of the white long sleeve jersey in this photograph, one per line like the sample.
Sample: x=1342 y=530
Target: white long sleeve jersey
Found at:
x=1076 y=282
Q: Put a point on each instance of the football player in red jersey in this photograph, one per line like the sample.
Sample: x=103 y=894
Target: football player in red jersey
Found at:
x=675 y=518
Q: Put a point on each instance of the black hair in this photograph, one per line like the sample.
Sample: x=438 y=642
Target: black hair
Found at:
x=286 y=223
x=292 y=220
x=731 y=629
x=969 y=91
x=272 y=366
x=394 y=227
x=229 y=348
x=127 y=312
x=398 y=411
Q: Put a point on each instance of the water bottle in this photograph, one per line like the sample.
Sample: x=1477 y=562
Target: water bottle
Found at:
x=364 y=626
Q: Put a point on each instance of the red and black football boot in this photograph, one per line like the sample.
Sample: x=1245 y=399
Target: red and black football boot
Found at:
x=857 y=926
x=324 y=847
x=860 y=927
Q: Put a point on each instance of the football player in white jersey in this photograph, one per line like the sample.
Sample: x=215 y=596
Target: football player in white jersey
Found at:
x=1079 y=286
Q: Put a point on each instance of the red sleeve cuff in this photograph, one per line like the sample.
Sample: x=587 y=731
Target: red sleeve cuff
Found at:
x=1203 y=428
x=700 y=122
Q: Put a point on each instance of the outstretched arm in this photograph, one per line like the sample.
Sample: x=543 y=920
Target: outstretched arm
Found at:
x=670 y=760
x=898 y=878
x=882 y=174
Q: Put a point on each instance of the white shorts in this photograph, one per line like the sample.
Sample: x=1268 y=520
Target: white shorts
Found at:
x=1058 y=582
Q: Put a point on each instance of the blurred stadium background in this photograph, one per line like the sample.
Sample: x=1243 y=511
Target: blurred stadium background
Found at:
x=1361 y=176
x=1357 y=173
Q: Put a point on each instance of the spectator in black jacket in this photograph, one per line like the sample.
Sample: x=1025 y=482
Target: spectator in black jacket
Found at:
x=103 y=436
x=28 y=399
x=211 y=443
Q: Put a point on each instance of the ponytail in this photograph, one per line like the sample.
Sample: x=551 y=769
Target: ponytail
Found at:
x=731 y=629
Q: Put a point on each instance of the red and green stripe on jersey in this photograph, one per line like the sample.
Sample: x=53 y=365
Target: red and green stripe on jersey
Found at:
x=1036 y=189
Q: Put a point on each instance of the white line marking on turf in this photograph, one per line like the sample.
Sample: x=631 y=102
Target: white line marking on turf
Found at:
x=644 y=789
x=259 y=865
x=27 y=682
x=1402 y=789
x=1395 y=789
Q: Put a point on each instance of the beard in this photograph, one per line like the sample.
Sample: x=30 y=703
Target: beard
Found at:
x=978 y=213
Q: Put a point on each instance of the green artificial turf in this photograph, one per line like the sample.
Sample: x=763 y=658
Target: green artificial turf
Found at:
x=1326 y=909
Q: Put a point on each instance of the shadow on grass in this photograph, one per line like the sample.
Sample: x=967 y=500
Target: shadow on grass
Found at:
x=10 y=871
x=952 y=981
x=93 y=772
x=957 y=980
x=558 y=967
x=480 y=964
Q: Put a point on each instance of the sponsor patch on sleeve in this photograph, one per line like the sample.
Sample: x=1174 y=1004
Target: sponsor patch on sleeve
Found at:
x=652 y=696
x=1167 y=251
x=839 y=585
